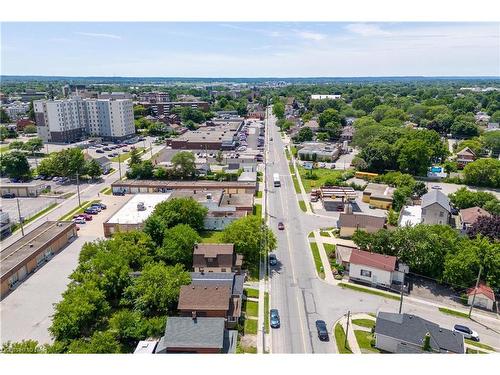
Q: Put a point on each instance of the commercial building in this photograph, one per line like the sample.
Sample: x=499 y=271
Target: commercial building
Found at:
x=216 y=257
x=16 y=110
x=115 y=95
x=436 y=208
x=154 y=186
x=197 y=335
x=378 y=195
x=165 y=108
x=154 y=97
x=350 y=223
x=30 y=252
x=319 y=151
x=405 y=333
x=133 y=214
x=23 y=189
x=72 y=119
x=216 y=135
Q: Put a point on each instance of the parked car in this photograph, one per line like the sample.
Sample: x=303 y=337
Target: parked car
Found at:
x=332 y=166
x=274 y=318
x=99 y=151
x=91 y=211
x=273 y=260
x=271 y=139
x=99 y=204
x=322 y=330
x=125 y=150
x=8 y=195
x=281 y=226
x=106 y=149
x=122 y=193
x=437 y=187
x=79 y=220
x=454 y=210
x=466 y=331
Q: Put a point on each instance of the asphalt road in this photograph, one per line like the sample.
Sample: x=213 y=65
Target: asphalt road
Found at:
x=296 y=290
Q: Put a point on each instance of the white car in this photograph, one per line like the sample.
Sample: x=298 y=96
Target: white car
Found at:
x=437 y=187
x=466 y=331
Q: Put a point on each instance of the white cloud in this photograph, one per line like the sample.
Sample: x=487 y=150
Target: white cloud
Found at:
x=311 y=35
x=99 y=35
x=365 y=29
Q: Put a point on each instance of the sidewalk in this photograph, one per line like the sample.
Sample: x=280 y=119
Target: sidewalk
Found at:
x=351 y=338
x=327 y=269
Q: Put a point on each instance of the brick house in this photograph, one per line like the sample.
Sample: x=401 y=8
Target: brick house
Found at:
x=465 y=156
x=210 y=257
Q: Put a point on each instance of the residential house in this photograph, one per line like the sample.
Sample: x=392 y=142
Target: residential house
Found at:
x=197 y=335
x=465 y=156
x=216 y=257
x=378 y=195
x=104 y=163
x=410 y=216
x=203 y=300
x=377 y=270
x=435 y=208
x=469 y=216
x=229 y=279
x=485 y=297
x=313 y=125
x=349 y=223
x=343 y=255
x=347 y=133
x=405 y=333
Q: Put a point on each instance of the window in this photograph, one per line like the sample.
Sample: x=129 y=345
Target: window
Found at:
x=441 y=214
x=222 y=270
x=423 y=211
x=366 y=273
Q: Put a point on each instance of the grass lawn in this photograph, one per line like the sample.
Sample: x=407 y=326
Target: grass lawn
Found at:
x=365 y=290
x=257 y=210
x=310 y=235
x=266 y=311
x=295 y=183
x=70 y=214
x=302 y=206
x=329 y=248
x=4 y=149
x=324 y=234
x=287 y=154
x=364 y=338
x=259 y=194
x=210 y=236
x=250 y=327
x=317 y=259
x=368 y=323
x=252 y=308
x=340 y=340
x=444 y=310
x=36 y=216
x=322 y=174
x=124 y=156
x=479 y=345
x=253 y=293
x=473 y=351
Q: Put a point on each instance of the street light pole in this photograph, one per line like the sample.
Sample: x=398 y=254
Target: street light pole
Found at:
x=78 y=189
x=20 y=217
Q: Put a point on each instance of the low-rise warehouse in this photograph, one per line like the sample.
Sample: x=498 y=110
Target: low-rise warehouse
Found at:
x=378 y=195
x=32 y=251
x=30 y=189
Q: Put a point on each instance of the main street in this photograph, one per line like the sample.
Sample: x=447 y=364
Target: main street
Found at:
x=295 y=289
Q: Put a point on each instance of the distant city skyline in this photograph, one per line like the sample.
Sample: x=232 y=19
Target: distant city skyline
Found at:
x=222 y=49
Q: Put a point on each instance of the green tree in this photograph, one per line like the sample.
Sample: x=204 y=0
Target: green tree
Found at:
x=99 y=343
x=414 y=157
x=29 y=129
x=279 y=110
x=23 y=347
x=4 y=117
x=366 y=103
x=16 y=145
x=378 y=156
x=334 y=130
x=400 y=197
x=329 y=116
x=139 y=111
x=93 y=169
x=464 y=129
x=142 y=171
x=183 y=164
x=248 y=235
x=156 y=290
x=491 y=141
x=178 y=245
x=483 y=172
x=135 y=157
x=14 y=164
x=465 y=198
x=475 y=144
x=82 y=308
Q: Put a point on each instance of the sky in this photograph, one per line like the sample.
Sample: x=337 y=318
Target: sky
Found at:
x=222 y=49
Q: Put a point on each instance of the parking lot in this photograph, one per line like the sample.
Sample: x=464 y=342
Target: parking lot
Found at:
x=27 y=206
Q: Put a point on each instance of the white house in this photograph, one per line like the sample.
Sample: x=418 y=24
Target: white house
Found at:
x=435 y=208
x=375 y=269
x=485 y=297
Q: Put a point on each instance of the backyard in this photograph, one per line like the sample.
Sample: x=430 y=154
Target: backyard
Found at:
x=320 y=176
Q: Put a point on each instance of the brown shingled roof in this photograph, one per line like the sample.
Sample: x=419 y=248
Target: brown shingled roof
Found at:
x=361 y=221
x=204 y=297
x=211 y=250
x=375 y=260
x=470 y=215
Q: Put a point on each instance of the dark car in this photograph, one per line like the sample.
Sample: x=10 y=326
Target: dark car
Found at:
x=322 y=330
x=272 y=260
x=8 y=195
x=122 y=193
x=99 y=151
x=99 y=204
x=274 y=318
x=454 y=211
x=91 y=211
x=281 y=226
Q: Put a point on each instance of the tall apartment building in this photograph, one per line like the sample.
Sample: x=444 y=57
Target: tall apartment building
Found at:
x=72 y=119
x=154 y=97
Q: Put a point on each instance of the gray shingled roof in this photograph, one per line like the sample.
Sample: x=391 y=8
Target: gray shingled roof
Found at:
x=436 y=196
x=186 y=332
x=412 y=329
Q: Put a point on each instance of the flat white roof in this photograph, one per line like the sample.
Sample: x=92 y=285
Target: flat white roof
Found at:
x=129 y=214
x=146 y=347
x=410 y=216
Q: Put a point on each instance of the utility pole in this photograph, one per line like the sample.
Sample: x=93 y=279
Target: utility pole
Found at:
x=475 y=290
x=20 y=217
x=347 y=328
x=78 y=189
x=402 y=293
x=151 y=149
x=120 y=166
